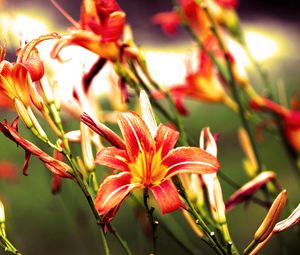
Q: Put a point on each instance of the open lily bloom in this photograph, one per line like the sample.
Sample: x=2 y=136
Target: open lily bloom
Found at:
x=204 y=83
x=146 y=159
x=101 y=25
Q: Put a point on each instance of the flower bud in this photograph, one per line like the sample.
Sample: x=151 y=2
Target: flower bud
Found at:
x=86 y=146
x=273 y=214
x=251 y=163
x=22 y=112
x=2 y=213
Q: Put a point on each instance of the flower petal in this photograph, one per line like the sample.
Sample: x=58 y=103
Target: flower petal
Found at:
x=227 y=3
x=89 y=41
x=189 y=160
x=293 y=219
x=114 y=158
x=113 y=27
x=147 y=113
x=169 y=21
x=55 y=166
x=166 y=139
x=207 y=142
x=167 y=196
x=103 y=131
x=111 y=193
x=249 y=189
x=20 y=76
x=136 y=134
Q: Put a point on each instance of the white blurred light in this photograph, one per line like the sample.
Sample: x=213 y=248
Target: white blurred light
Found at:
x=167 y=68
x=262 y=47
x=20 y=26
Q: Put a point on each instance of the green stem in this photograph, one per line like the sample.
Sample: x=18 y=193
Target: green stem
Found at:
x=67 y=152
x=177 y=121
x=212 y=241
x=180 y=243
x=8 y=246
x=153 y=222
x=120 y=239
x=268 y=86
x=250 y=247
x=233 y=87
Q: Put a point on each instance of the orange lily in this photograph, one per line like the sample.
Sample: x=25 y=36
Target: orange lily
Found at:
x=54 y=165
x=290 y=118
x=16 y=79
x=146 y=159
x=204 y=83
x=100 y=26
x=195 y=16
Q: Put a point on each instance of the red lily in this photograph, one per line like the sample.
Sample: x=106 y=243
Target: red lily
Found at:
x=54 y=165
x=100 y=26
x=290 y=118
x=146 y=159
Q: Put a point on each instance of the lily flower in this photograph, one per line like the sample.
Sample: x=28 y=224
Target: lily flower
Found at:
x=101 y=25
x=195 y=16
x=204 y=84
x=146 y=159
x=54 y=165
x=289 y=117
x=16 y=79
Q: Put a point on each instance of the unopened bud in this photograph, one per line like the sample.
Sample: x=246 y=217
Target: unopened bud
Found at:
x=22 y=112
x=36 y=99
x=251 y=165
x=272 y=216
x=219 y=213
x=36 y=124
x=86 y=146
x=48 y=94
x=2 y=213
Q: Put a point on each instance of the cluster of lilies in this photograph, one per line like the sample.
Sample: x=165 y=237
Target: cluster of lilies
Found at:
x=148 y=155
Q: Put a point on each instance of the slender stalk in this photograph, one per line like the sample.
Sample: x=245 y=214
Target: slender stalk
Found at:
x=293 y=156
x=233 y=87
x=166 y=229
x=8 y=246
x=212 y=241
x=177 y=121
x=120 y=239
x=153 y=222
